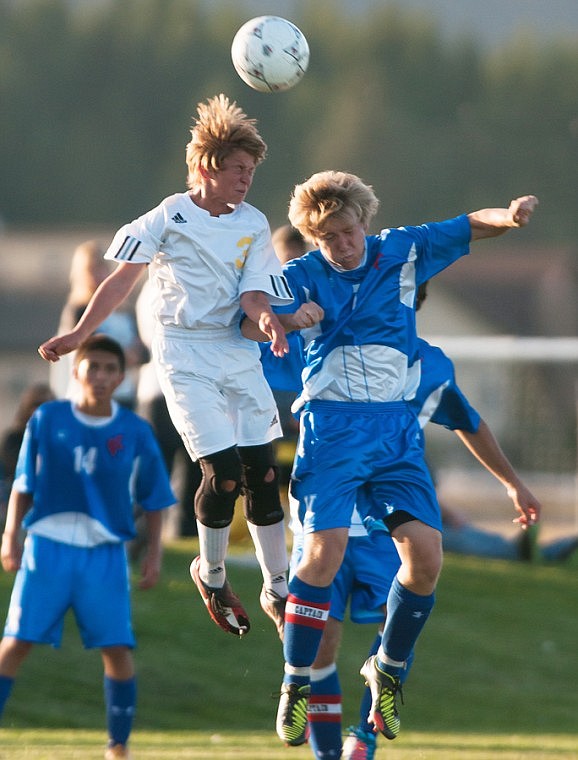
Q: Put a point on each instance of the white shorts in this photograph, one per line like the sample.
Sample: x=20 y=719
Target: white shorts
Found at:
x=215 y=390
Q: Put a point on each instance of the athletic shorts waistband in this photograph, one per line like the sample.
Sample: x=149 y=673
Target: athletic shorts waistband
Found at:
x=357 y=407
x=213 y=335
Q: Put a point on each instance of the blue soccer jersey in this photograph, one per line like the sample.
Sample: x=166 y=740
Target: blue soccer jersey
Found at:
x=438 y=398
x=98 y=470
x=283 y=373
x=361 y=367
x=365 y=348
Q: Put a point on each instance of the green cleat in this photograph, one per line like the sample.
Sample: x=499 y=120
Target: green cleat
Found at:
x=384 y=690
x=292 y=727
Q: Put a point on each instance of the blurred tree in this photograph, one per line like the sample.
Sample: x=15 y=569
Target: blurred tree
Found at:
x=96 y=101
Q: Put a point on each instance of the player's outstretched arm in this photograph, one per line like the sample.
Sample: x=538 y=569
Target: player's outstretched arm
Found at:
x=491 y=222
x=11 y=551
x=487 y=450
x=109 y=295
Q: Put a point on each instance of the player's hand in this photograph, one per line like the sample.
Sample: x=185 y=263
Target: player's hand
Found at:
x=521 y=209
x=527 y=505
x=150 y=570
x=11 y=553
x=56 y=347
x=270 y=325
x=307 y=315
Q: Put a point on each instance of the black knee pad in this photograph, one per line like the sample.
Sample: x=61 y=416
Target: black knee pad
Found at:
x=262 y=500
x=214 y=507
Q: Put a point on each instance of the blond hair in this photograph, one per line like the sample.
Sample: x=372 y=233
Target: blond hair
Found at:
x=327 y=195
x=220 y=129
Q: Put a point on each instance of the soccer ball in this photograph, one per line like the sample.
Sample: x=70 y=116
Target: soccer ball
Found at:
x=270 y=53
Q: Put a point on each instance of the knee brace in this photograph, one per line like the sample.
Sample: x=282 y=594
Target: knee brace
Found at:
x=215 y=506
x=261 y=485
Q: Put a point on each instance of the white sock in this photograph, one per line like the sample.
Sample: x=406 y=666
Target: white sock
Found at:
x=382 y=657
x=213 y=544
x=271 y=551
x=320 y=674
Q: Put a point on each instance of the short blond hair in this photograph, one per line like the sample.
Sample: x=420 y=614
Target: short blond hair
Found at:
x=331 y=194
x=220 y=129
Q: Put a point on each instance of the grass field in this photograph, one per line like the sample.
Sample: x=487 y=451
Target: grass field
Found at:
x=496 y=674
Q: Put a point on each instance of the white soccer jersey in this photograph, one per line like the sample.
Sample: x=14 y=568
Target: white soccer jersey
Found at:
x=200 y=264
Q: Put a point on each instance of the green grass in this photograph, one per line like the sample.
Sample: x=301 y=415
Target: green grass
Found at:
x=495 y=674
x=252 y=745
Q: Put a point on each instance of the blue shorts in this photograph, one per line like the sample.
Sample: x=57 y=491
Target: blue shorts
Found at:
x=344 y=447
x=364 y=578
x=56 y=577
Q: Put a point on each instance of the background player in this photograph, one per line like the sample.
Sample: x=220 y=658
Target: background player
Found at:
x=81 y=466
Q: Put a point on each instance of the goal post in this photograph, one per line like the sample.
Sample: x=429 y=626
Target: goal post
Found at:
x=512 y=348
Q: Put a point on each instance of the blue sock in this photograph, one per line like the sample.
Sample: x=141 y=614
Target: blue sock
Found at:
x=407 y=614
x=120 y=701
x=405 y=672
x=324 y=713
x=6 y=685
x=305 y=617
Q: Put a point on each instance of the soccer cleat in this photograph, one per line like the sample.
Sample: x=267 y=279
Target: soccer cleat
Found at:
x=273 y=606
x=116 y=751
x=292 y=727
x=359 y=745
x=223 y=605
x=384 y=690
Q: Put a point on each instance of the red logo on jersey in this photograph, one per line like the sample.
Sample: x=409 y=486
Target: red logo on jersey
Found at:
x=114 y=445
x=376 y=262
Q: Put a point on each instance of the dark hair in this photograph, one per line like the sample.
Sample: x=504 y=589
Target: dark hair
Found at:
x=421 y=295
x=100 y=342
x=32 y=397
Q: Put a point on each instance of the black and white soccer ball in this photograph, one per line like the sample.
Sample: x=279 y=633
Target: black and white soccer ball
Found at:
x=270 y=54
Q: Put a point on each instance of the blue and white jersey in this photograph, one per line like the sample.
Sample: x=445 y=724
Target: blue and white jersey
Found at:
x=365 y=348
x=87 y=477
x=438 y=398
x=283 y=373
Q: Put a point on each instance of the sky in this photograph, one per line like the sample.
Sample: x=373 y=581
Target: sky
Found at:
x=493 y=22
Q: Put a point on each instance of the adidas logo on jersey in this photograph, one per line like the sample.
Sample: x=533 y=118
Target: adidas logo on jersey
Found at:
x=179 y=218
